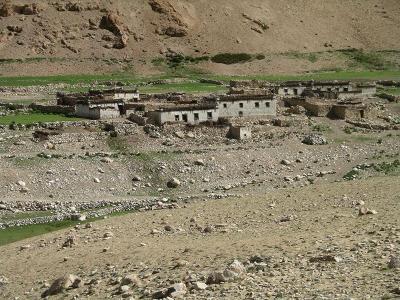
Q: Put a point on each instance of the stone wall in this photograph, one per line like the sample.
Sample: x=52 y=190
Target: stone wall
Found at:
x=53 y=109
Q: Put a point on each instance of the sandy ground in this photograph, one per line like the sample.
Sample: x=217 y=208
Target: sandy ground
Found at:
x=325 y=221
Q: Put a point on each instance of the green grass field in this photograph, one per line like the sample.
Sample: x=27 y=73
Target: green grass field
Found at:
x=14 y=234
x=192 y=75
x=34 y=118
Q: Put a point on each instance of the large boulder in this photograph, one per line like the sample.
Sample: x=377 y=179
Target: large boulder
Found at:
x=113 y=23
x=314 y=139
x=63 y=283
x=174 y=31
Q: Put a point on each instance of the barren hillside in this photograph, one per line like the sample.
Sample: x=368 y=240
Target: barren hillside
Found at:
x=143 y=30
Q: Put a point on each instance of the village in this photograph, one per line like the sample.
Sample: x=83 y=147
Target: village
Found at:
x=245 y=101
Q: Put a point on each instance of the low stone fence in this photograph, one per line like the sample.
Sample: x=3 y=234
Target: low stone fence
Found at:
x=389 y=97
x=140 y=120
x=373 y=126
x=77 y=137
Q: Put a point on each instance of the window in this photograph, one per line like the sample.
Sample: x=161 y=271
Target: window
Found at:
x=346 y=89
x=257 y=104
x=329 y=89
x=177 y=118
x=196 y=116
x=209 y=115
x=240 y=114
x=296 y=92
x=225 y=105
x=241 y=105
x=185 y=118
x=267 y=104
x=286 y=91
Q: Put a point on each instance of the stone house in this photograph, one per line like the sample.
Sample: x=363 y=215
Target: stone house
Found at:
x=99 y=108
x=190 y=114
x=296 y=88
x=231 y=106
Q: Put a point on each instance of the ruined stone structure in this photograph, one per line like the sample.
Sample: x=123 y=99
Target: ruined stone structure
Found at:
x=239 y=132
x=350 y=111
x=331 y=108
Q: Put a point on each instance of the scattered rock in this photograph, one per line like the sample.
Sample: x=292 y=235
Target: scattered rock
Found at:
x=326 y=258
x=131 y=279
x=394 y=263
x=175 y=291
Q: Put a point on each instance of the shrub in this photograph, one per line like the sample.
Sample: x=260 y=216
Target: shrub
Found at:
x=369 y=60
x=321 y=127
x=260 y=56
x=231 y=58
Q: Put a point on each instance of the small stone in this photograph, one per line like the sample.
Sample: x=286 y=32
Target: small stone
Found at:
x=108 y=235
x=25 y=247
x=124 y=289
x=173 y=183
x=199 y=286
x=136 y=178
x=199 y=162
x=168 y=228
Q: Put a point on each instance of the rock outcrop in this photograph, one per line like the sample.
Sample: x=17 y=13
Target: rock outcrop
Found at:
x=113 y=23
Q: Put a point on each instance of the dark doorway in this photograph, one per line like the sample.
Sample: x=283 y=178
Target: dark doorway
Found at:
x=122 y=109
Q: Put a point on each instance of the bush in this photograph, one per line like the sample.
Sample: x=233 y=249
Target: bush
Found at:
x=179 y=59
x=321 y=127
x=231 y=58
x=260 y=56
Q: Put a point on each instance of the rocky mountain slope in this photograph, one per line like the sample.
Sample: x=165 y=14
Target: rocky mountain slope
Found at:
x=147 y=29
